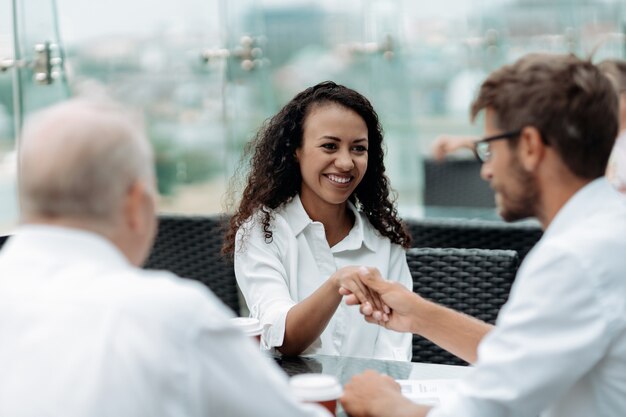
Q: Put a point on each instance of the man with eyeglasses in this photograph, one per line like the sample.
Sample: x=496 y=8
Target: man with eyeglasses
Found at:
x=559 y=345
x=615 y=71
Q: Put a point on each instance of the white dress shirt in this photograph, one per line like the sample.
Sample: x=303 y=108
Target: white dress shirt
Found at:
x=274 y=276
x=559 y=345
x=84 y=333
x=617 y=162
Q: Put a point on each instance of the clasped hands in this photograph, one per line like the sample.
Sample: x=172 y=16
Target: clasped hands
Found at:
x=386 y=303
x=352 y=283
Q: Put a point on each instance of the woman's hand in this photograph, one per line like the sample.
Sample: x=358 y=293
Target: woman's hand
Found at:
x=404 y=307
x=348 y=282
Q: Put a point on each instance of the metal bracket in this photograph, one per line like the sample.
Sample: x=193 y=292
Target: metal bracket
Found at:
x=248 y=52
x=46 y=64
x=46 y=67
x=8 y=63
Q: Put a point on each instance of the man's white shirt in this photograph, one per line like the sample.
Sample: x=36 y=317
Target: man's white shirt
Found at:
x=559 y=345
x=84 y=333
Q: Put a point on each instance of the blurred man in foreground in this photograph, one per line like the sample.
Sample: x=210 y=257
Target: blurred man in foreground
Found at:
x=559 y=345
x=83 y=330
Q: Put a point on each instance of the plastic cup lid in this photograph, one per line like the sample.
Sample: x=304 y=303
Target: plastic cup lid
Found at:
x=249 y=325
x=315 y=387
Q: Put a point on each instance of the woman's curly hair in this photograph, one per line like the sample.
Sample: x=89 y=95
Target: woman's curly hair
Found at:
x=274 y=177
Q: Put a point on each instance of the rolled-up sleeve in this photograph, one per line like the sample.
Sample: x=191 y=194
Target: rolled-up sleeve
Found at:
x=553 y=331
x=263 y=281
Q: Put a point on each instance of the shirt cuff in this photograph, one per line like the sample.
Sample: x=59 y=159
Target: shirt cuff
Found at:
x=273 y=323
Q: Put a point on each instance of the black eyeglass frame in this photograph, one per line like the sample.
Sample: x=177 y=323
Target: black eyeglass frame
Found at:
x=484 y=155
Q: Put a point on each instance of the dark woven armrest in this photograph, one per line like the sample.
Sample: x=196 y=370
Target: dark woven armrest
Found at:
x=481 y=234
x=190 y=247
x=476 y=282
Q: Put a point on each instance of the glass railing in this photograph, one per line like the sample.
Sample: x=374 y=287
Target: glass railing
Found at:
x=207 y=74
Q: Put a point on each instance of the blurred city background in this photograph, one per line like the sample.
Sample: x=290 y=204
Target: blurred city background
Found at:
x=207 y=73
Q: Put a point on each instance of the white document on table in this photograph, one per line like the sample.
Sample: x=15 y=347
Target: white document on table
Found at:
x=427 y=391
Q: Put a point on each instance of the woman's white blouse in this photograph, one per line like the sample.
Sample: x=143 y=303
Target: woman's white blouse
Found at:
x=276 y=275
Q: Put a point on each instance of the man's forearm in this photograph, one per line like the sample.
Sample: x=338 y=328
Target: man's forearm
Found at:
x=455 y=332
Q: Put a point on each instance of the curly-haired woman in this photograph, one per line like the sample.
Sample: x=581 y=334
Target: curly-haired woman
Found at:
x=317 y=199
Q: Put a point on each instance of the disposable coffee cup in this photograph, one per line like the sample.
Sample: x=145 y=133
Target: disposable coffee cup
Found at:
x=250 y=326
x=322 y=389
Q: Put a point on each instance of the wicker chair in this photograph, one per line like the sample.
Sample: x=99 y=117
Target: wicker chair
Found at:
x=476 y=282
x=481 y=234
x=190 y=247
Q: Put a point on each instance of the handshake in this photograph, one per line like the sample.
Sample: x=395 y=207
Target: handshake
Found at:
x=388 y=304
x=395 y=307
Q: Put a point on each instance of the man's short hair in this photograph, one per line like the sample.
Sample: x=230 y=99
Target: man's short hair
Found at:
x=79 y=158
x=569 y=100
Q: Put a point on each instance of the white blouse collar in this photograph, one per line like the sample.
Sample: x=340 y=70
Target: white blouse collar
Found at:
x=360 y=234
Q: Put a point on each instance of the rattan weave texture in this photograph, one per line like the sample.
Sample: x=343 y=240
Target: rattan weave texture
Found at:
x=480 y=234
x=476 y=282
x=190 y=247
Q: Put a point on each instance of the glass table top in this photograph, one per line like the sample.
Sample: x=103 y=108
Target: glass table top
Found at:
x=344 y=368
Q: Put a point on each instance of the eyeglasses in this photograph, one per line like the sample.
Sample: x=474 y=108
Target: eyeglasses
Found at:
x=482 y=149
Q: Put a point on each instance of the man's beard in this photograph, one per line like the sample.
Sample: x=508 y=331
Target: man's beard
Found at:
x=522 y=203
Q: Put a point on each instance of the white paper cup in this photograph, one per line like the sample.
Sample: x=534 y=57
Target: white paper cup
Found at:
x=250 y=326
x=322 y=389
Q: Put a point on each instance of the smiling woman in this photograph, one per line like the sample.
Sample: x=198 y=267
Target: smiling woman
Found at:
x=317 y=199
x=333 y=161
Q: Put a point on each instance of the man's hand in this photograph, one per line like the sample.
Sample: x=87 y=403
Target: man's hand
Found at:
x=348 y=281
x=404 y=304
x=373 y=395
x=455 y=332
